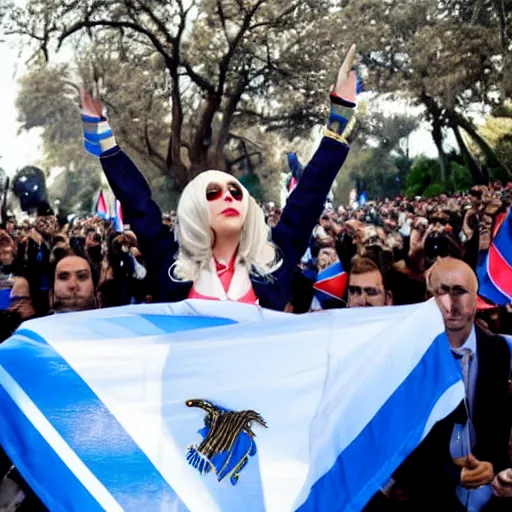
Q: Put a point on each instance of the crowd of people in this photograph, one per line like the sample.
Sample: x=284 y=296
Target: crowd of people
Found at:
x=221 y=245
x=387 y=248
x=47 y=267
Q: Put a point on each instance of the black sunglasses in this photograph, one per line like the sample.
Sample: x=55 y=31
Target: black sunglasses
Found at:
x=215 y=191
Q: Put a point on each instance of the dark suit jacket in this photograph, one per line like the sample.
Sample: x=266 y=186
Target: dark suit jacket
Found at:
x=291 y=235
x=428 y=477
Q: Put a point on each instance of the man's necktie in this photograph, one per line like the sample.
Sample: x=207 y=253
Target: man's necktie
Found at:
x=464 y=355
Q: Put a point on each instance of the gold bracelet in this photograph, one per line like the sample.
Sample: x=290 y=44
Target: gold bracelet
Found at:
x=335 y=136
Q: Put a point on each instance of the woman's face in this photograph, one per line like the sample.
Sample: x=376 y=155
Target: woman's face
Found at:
x=225 y=206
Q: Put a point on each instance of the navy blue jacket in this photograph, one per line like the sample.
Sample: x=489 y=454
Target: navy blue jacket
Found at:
x=291 y=235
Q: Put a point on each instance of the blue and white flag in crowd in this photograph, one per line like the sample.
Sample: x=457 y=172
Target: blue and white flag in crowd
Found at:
x=210 y=406
x=110 y=209
x=118 y=217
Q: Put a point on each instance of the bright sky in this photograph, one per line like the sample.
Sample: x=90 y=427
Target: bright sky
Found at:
x=15 y=150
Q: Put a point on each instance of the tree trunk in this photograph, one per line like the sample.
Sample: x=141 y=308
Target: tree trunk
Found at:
x=500 y=7
x=436 y=114
x=437 y=135
x=208 y=159
x=3 y=201
x=486 y=149
x=474 y=168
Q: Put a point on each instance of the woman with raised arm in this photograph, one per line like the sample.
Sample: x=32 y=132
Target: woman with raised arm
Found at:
x=222 y=249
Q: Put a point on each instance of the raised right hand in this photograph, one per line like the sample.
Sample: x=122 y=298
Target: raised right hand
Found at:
x=90 y=104
x=97 y=132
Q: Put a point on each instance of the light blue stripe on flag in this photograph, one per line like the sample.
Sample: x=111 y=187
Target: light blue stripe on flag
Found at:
x=95 y=436
x=377 y=452
x=133 y=326
x=50 y=478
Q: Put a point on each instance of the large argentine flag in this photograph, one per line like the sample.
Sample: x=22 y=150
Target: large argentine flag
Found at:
x=99 y=409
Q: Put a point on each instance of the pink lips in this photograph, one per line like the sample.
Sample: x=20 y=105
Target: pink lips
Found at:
x=231 y=212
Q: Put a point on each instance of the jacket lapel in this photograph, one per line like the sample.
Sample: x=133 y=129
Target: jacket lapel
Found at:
x=490 y=408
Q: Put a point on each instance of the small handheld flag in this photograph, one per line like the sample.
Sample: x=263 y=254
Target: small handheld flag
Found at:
x=118 y=217
x=296 y=169
x=101 y=206
x=331 y=283
x=495 y=271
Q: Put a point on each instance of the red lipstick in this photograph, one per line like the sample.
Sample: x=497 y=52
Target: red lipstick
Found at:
x=230 y=212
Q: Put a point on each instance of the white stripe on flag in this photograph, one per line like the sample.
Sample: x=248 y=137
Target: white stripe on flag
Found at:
x=449 y=401
x=61 y=448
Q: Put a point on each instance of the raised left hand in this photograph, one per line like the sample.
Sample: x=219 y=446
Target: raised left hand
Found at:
x=346 y=83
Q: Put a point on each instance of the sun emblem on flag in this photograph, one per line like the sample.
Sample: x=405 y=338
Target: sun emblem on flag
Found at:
x=228 y=441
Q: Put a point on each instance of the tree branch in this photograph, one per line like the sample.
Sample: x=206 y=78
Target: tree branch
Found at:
x=277 y=20
x=245 y=139
x=117 y=24
x=150 y=149
x=229 y=112
x=243 y=157
x=159 y=164
x=222 y=17
x=225 y=61
x=157 y=21
x=198 y=79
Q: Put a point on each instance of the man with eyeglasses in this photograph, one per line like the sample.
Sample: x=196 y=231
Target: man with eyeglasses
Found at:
x=366 y=287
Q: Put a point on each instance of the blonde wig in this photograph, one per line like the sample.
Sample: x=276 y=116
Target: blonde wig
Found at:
x=196 y=238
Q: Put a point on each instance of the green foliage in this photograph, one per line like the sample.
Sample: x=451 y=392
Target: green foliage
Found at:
x=76 y=191
x=460 y=177
x=163 y=190
x=444 y=55
x=181 y=77
x=434 y=190
x=253 y=184
x=424 y=172
x=497 y=131
x=425 y=179
x=379 y=162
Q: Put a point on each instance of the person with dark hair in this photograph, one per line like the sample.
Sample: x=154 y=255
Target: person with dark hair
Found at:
x=125 y=278
x=366 y=285
x=7 y=250
x=21 y=299
x=7 y=258
x=77 y=244
x=21 y=307
x=10 y=226
x=74 y=286
x=93 y=248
